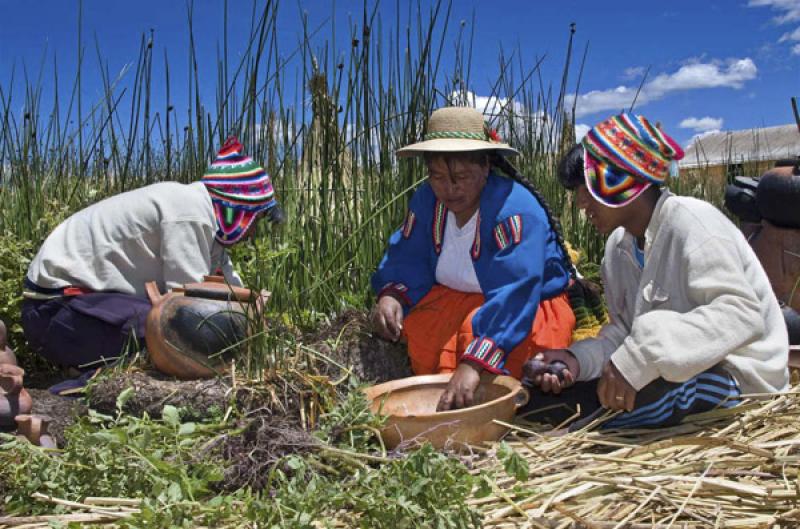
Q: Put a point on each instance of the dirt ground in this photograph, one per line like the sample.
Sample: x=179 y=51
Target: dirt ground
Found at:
x=269 y=427
x=349 y=342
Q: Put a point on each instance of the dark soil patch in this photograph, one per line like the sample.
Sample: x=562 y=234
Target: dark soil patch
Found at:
x=270 y=426
x=264 y=440
x=152 y=391
x=61 y=411
x=349 y=341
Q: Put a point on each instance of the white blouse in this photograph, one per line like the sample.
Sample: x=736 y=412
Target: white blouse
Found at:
x=454 y=268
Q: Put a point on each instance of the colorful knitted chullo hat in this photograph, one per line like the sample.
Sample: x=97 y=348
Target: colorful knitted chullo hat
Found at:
x=623 y=156
x=240 y=189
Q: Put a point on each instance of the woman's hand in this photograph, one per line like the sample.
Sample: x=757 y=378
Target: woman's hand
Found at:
x=460 y=392
x=387 y=318
x=614 y=392
x=538 y=370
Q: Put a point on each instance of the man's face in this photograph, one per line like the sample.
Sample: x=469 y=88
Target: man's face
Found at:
x=602 y=217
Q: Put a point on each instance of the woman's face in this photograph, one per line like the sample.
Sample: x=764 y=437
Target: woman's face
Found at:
x=457 y=182
x=604 y=218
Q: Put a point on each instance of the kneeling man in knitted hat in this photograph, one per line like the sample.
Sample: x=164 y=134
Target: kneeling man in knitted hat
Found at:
x=85 y=297
x=694 y=323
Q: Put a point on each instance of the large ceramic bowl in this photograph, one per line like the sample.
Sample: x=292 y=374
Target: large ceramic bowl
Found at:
x=410 y=407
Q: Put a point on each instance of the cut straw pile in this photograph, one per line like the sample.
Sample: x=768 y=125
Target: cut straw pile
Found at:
x=727 y=468
x=89 y=511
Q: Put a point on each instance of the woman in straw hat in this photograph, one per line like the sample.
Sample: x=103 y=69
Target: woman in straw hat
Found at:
x=693 y=319
x=85 y=288
x=475 y=278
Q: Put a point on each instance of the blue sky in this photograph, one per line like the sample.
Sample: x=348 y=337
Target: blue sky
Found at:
x=713 y=64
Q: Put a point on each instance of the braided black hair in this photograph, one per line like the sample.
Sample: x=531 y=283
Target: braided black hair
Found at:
x=499 y=162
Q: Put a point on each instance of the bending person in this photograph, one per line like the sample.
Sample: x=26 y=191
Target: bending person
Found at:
x=84 y=292
x=475 y=278
x=693 y=320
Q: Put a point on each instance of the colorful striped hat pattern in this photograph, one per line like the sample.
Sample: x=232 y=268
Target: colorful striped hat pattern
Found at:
x=624 y=155
x=240 y=189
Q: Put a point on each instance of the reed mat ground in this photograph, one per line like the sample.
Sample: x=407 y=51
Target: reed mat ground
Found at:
x=728 y=468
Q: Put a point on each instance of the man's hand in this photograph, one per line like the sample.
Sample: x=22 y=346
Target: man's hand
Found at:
x=538 y=372
x=460 y=392
x=261 y=301
x=387 y=318
x=614 y=392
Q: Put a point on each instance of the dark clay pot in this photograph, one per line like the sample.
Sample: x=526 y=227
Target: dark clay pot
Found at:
x=189 y=335
x=14 y=400
x=777 y=196
x=792 y=319
x=740 y=199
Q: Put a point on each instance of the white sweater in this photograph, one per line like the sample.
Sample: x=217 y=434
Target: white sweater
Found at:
x=163 y=232
x=702 y=299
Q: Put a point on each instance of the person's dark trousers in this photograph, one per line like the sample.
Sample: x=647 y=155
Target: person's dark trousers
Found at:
x=659 y=403
x=86 y=330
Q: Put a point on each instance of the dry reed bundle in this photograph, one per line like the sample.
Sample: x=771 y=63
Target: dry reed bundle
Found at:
x=728 y=468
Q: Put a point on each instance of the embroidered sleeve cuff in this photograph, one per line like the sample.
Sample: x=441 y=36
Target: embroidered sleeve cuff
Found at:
x=398 y=289
x=484 y=352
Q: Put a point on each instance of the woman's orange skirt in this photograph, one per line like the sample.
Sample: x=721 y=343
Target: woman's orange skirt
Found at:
x=439 y=329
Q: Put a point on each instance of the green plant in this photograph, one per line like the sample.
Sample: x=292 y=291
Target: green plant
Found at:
x=121 y=456
x=350 y=423
x=15 y=254
x=426 y=489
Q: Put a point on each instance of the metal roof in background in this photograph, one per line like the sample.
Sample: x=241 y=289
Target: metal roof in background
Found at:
x=721 y=148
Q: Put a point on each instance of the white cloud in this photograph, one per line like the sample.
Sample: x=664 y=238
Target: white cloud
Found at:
x=634 y=72
x=580 y=131
x=788 y=13
x=498 y=111
x=701 y=124
x=789 y=9
x=490 y=106
x=793 y=36
x=696 y=75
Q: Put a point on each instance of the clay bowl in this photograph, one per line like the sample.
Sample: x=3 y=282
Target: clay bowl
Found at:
x=410 y=404
x=14 y=400
x=192 y=337
x=34 y=429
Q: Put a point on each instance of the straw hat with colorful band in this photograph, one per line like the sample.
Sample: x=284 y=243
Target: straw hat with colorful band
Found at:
x=457 y=129
x=240 y=189
x=624 y=155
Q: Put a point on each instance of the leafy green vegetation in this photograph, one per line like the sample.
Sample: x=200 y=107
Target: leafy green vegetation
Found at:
x=166 y=464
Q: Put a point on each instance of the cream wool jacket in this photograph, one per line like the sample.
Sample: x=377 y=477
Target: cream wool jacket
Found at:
x=702 y=299
x=162 y=232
